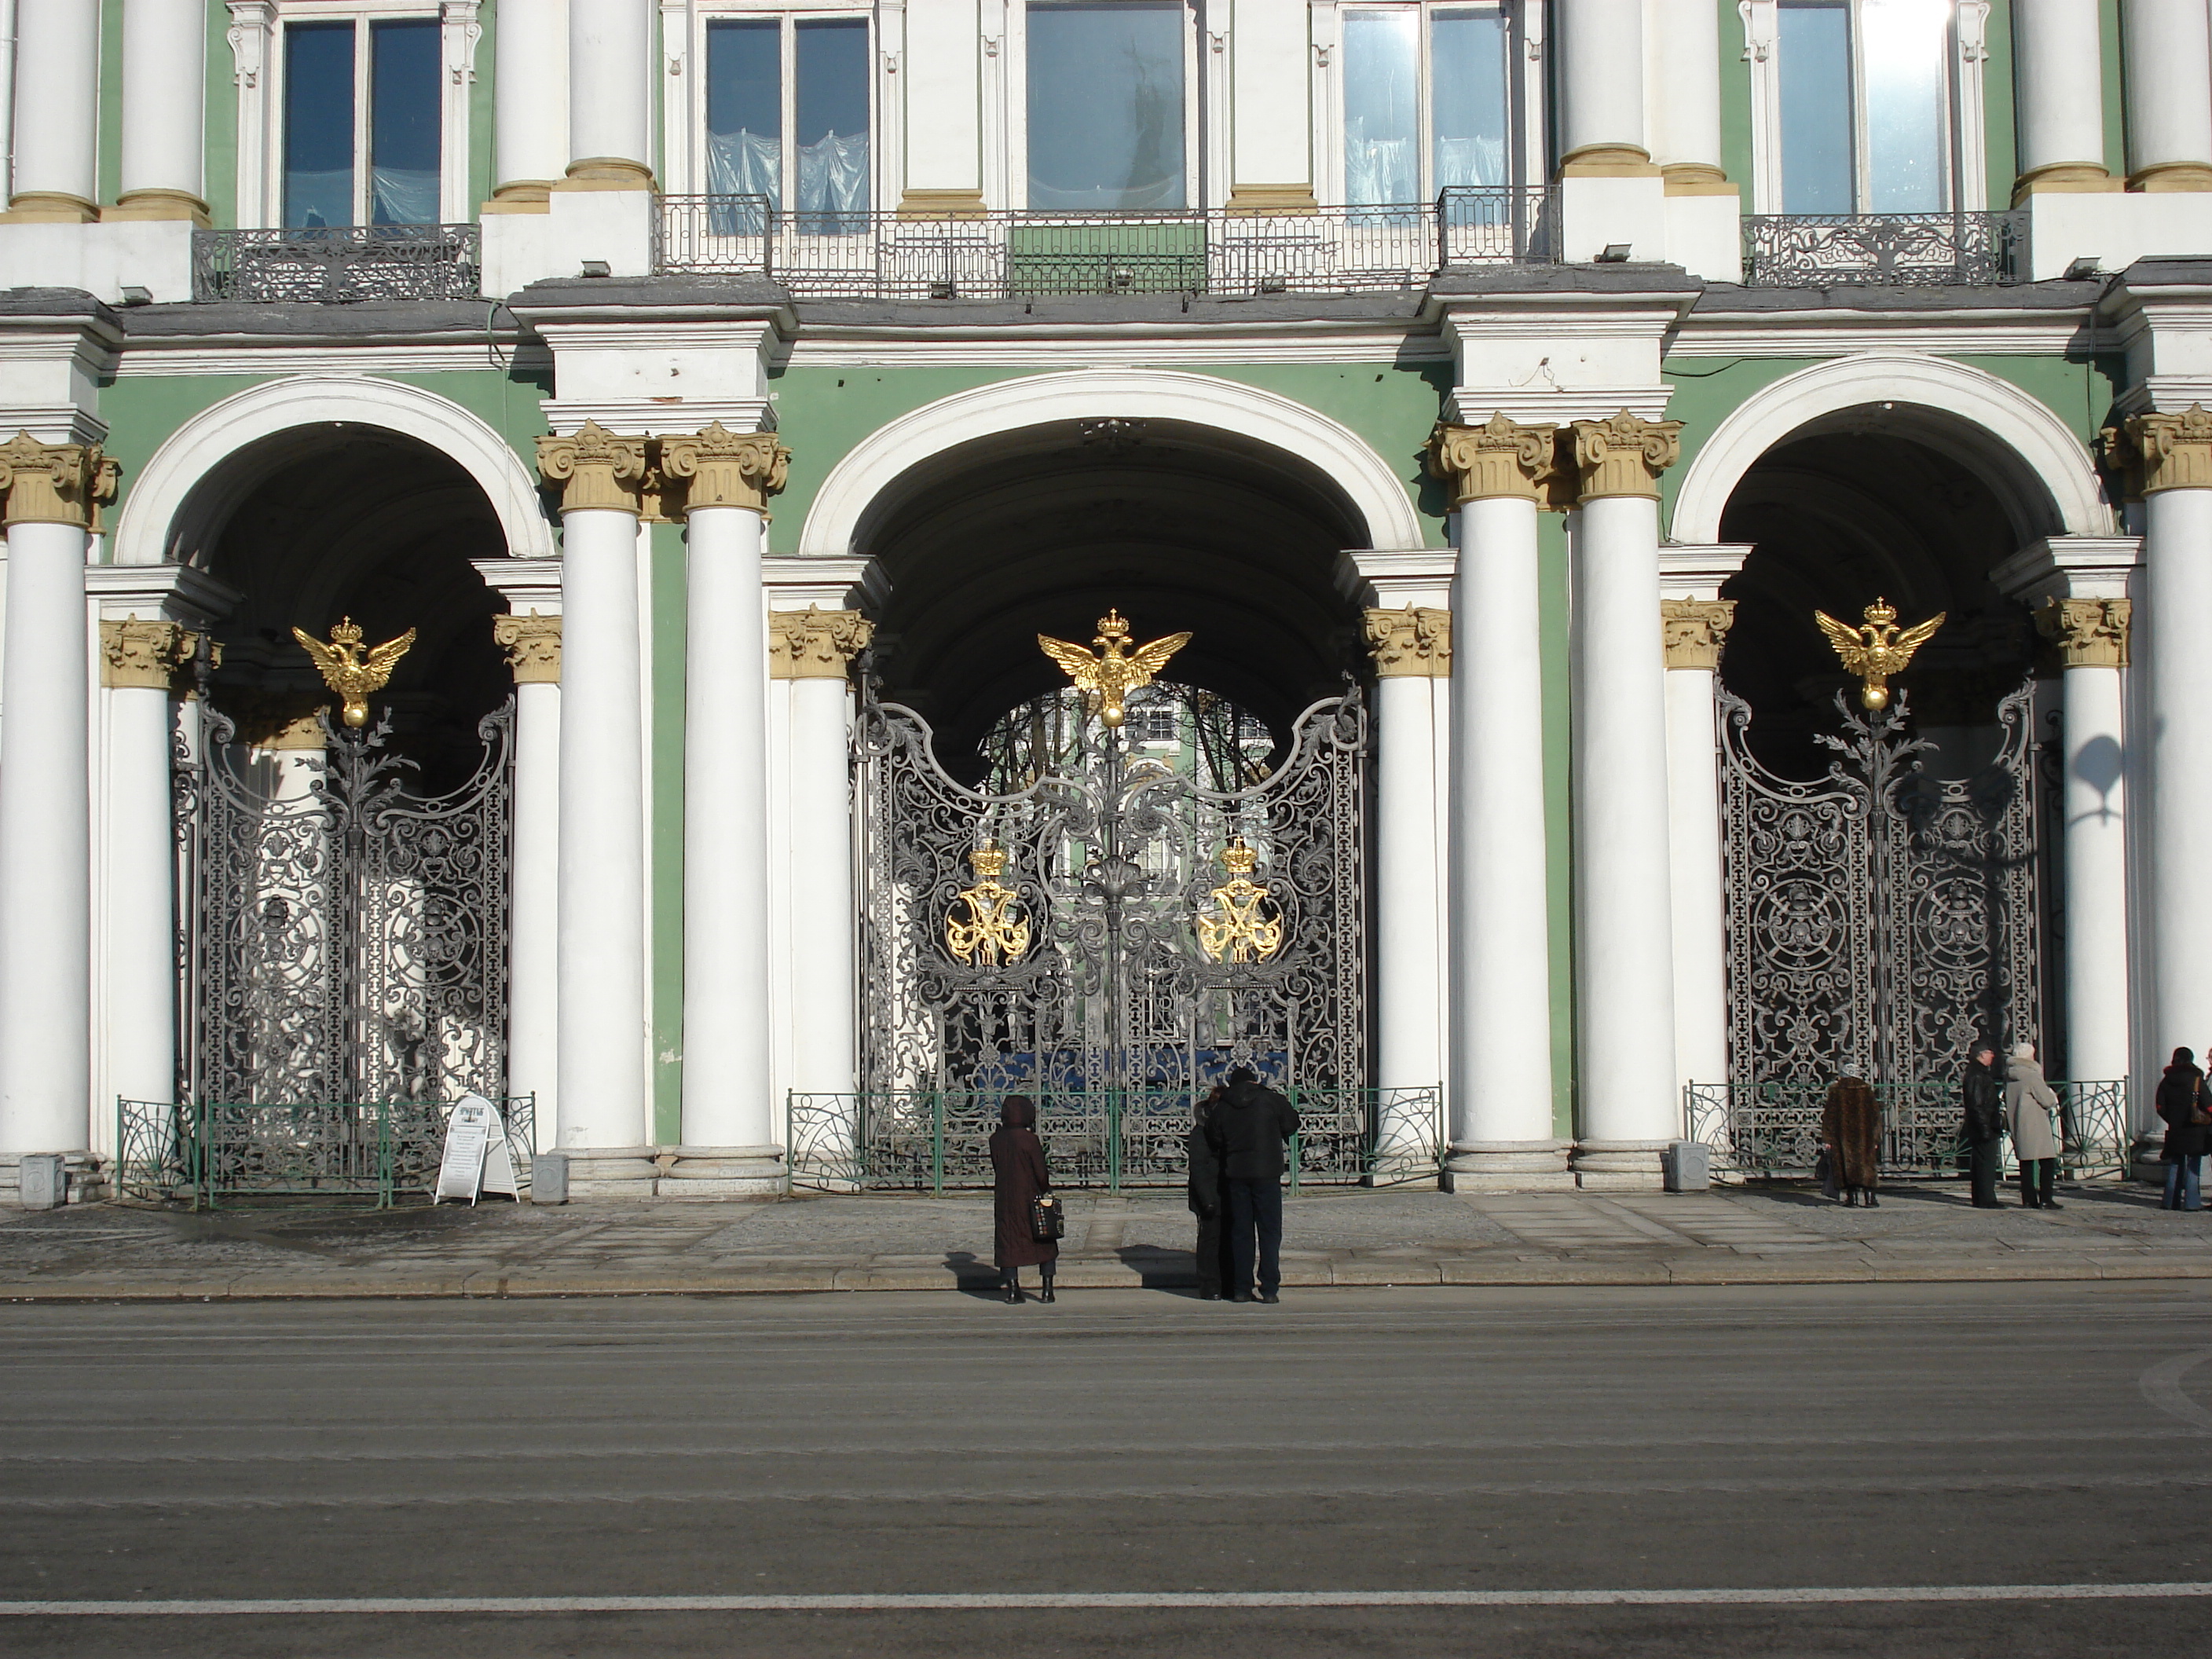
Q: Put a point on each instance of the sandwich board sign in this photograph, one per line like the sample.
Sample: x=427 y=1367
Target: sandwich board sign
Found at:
x=475 y=1160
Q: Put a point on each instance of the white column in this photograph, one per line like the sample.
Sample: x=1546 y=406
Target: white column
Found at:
x=603 y=1038
x=1502 y=1131
x=2167 y=45
x=164 y=111
x=609 y=94
x=939 y=79
x=530 y=103
x=1625 y=1079
x=56 y=113
x=2093 y=636
x=1271 y=119
x=532 y=643
x=730 y=1139
x=1602 y=127
x=1686 y=122
x=2058 y=79
x=1692 y=631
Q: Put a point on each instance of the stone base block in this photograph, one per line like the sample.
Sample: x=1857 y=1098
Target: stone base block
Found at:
x=1515 y=1166
x=85 y=1173
x=694 y=1172
x=620 y=1172
x=1620 y=1166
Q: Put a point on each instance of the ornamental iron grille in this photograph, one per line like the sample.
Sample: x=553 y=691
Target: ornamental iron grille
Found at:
x=1884 y=250
x=337 y=265
x=1114 y=918
x=1882 y=922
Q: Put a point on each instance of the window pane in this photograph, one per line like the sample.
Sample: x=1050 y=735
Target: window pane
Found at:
x=1381 y=114
x=318 y=124
x=1816 y=108
x=744 y=109
x=403 y=123
x=833 y=115
x=1469 y=59
x=1904 y=47
x=1106 y=106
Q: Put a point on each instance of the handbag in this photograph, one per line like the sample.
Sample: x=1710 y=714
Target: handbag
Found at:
x=1047 y=1216
x=1823 y=1171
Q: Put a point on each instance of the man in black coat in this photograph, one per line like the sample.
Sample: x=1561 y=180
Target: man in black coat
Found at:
x=1981 y=1093
x=1209 y=1198
x=1250 y=1128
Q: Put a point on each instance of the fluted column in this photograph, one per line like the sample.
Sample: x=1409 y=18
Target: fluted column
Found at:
x=530 y=103
x=2167 y=45
x=1692 y=632
x=730 y=1143
x=601 y=1067
x=1412 y=649
x=56 y=113
x=814 y=650
x=1625 y=1081
x=163 y=175
x=2058 y=78
x=46 y=833
x=532 y=645
x=1499 y=1026
x=1601 y=131
x=610 y=77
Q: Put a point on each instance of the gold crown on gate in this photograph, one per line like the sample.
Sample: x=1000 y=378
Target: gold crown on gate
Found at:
x=989 y=863
x=348 y=632
x=1882 y=613
x=1238 y=859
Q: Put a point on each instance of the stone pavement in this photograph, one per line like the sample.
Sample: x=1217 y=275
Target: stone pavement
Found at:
x=1776 y=1235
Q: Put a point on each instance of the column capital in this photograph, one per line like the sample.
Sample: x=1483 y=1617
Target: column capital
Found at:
x=532 y=644
x=144 y=655
x=726 y=468
x=815 y=644
x=1695 y=630
x=56 y=484
x=1500 y=457
x=1414 y=643
x=599 y=469
x=2170 y=452
x=2089 y=633
x=1624 y=455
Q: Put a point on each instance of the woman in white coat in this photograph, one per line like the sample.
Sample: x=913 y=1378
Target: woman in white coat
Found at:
x=2032 y=1106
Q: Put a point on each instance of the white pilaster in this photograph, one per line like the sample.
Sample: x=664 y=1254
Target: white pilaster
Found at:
x=2167 y=45
x=164 y=111
x=530 y=103
x=1271 y=127
x=2058 y=79
x=938 y=73
x=56 y=113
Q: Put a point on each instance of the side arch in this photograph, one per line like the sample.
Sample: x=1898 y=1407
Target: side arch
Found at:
x=2042 y=473
x=187 y=490
x=855 y=483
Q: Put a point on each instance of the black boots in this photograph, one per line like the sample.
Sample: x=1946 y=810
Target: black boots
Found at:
x=1046 y=1295
x=1013 y=1287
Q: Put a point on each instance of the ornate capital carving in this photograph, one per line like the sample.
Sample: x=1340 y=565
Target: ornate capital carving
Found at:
x=2089 y=633
x=1499 y=458
x=56 y=484
x=1624 y=456
x=726 y=468
x=2174 y=452
x=599 y=469
x=532 y=644
x=1694 y=630
x=815 y=644
x=144 y=655
x=1415 y=642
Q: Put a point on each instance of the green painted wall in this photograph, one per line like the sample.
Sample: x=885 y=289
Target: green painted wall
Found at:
x=1996 y=104
x=221 y=120
x=666 y=784
x=109 y=141
x=1735 y=101
x=2115 y=127
x=1559 y=806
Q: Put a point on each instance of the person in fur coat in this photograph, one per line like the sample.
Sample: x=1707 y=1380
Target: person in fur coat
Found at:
x=1850 y=1130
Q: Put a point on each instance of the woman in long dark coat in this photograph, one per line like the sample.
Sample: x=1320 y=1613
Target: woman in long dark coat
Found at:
x=1018 y=1175
x=2181 y=1096
x=1851 y=1128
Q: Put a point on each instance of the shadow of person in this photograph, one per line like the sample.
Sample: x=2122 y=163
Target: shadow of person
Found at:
x=1162 y=1269
x=971 y=1274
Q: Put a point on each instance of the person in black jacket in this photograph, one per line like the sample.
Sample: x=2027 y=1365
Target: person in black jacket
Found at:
x=1982 y=1092
x=2181 y=1096
x=1018 y=1175
x=1250 y=1128
x=1209 y=1198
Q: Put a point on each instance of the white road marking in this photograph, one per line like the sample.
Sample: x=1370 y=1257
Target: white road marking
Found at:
x=2161 y=1386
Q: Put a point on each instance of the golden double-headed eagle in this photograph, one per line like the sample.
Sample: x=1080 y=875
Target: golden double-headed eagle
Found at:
x=1877 y=649
x=1107 y=679
x=350 y=673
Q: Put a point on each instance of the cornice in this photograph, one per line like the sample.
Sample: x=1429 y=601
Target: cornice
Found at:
x=2004 y=335
x=142 y=359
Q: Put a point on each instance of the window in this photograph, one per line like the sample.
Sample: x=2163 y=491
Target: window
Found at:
x=1427 y=101
x=360 y=123
x=1863 y=92
x=1107 y=104
x=787 y=112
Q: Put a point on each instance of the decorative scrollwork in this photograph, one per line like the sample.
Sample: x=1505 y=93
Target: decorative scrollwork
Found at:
x=1910 y=250
x=1236 y=928
x=995 y=929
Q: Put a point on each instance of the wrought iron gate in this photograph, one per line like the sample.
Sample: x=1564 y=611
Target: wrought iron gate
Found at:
x=1111 y=937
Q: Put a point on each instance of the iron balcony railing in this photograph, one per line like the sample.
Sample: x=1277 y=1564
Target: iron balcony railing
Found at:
x=1884 y=250
x=339 y=265
x=1023 y=255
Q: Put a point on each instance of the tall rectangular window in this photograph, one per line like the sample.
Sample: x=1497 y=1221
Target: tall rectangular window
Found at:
x=1106 y=105
x=1864 y=90
x=351 y=160
x=1427 y=101
x=787 y=112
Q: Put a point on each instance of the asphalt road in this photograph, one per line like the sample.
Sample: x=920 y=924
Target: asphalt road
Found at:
x=1893 y=1470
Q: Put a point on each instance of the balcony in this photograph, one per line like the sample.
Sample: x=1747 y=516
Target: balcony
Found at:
x=1036 y=255
x=338 y=265
x=1884 y=250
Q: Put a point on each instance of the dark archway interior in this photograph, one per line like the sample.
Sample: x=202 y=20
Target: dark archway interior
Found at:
x=1836 y=520
x=342 y=520
x=1181 y=528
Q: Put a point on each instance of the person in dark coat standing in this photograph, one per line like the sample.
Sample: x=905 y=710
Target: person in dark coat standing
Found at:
x=1250 y=1128
x=1018 y=1175
x=1981 y=1093
x=1851 y=1129
x=2182 y=1099
x=1209 y=1198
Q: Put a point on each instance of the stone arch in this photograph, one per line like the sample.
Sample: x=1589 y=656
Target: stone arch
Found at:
x=188 y=490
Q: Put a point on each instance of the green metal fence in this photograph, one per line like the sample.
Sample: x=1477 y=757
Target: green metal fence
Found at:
x=212 y=1153
x=938 y=1140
